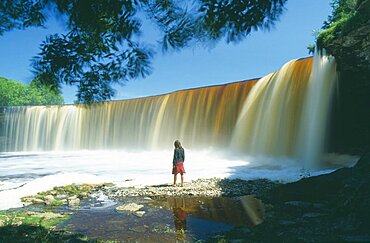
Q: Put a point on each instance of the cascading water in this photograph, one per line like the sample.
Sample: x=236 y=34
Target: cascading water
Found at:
x=269 y=121
x=316 y=109
x=199 y=117
x=286 y=112
x=282 y=114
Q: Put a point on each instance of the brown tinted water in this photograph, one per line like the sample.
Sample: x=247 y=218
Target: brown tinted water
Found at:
x=167 y=219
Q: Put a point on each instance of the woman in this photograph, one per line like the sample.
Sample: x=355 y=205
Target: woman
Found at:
x=178 y=162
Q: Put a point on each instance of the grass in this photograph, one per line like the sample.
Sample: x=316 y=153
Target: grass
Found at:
x=28 y=226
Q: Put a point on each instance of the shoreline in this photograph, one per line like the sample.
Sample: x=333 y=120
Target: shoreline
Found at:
x=203 y=187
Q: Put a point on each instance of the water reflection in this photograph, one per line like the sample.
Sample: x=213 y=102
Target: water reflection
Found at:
x=179 y=219
x=245 y=211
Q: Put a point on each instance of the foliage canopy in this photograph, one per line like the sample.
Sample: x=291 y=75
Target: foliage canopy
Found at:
x=346 y=16
x=103 y=47
x=14 y=93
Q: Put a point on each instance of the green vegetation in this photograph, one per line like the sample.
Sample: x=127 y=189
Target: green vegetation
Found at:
x=347 y=15
x=13 y=93
x=27 y=226
x=103 y=44
x=30 y=233
x=44 y=219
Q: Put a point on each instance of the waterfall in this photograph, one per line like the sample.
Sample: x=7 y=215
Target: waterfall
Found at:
x=286 y=113
x=198 y=117
x=281 y=114
x=269 y=121
x=316 y=107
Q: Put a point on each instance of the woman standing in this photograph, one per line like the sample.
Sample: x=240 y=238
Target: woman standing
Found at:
x=178 y=162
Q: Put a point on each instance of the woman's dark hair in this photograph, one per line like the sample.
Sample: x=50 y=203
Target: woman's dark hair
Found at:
x=177 y=144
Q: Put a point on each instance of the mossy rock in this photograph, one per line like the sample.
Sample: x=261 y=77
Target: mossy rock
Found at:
x=58 y=195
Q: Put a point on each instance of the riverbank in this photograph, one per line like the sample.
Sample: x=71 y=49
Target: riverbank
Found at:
x=212 y=187
x=331 y=207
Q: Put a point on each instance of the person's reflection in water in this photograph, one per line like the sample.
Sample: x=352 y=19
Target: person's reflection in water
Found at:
x=179 y=217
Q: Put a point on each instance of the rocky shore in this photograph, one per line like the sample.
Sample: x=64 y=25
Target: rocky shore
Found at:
x=212 y=187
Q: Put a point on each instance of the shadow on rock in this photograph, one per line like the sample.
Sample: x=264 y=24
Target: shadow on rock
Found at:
x=325 y=208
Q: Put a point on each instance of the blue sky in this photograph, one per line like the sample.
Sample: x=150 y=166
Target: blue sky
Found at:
x=256 y=56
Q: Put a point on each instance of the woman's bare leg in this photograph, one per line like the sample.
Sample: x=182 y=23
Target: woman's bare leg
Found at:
x=174 y=179
x=182 y=180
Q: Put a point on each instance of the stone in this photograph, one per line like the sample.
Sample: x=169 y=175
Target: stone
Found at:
x=53 y=192
x=61 y=196
x=139 y=213
x=25 y=204
x=131 y=207
x=36 y=201
x=83 y=195
x=49 y=198
x=73 y=201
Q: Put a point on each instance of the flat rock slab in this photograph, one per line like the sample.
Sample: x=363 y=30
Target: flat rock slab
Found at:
x=131 y=207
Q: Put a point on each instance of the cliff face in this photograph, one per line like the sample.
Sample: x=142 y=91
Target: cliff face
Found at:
x=349 y=42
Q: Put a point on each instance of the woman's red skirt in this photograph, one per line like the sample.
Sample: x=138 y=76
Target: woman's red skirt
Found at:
x=179 y=168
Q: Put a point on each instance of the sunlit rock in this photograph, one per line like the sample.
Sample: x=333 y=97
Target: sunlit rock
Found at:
x=131 y=207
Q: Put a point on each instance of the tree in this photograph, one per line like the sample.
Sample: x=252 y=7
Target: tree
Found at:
x=13 y=93
x=102 y=46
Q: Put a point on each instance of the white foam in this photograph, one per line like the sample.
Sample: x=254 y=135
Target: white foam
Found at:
x=42 y=171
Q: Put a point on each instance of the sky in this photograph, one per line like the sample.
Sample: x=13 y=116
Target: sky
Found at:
x=262 y=52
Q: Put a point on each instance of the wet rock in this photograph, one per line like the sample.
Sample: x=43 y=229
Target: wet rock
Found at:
x=83 y=195
x=312 y=215
x=139 y=213
x=53 y=192
x=73 y=201
x=131 y=207
x=61 y=196
x=48 y=199
x=32 y=200
x=139 y=229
